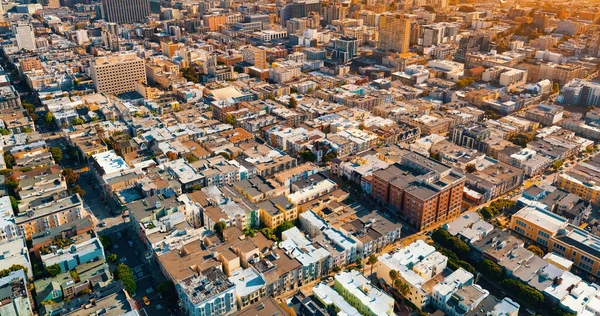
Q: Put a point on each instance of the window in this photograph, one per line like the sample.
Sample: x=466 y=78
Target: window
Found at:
x=542 y=241
x=543 y=234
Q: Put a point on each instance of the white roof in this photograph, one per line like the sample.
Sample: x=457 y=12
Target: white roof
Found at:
x=110 y=162
x=379 y=302
x=328 y=296
x=247 y=281
x=542 y=218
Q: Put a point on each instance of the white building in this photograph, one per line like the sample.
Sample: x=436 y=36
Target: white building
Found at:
x=8 y=225
x=367 y=299
x=25 y=37
x=207 y=293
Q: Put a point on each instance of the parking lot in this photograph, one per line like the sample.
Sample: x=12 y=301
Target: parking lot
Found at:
x=129 y=252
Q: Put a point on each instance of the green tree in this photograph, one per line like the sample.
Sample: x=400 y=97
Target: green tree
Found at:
x=123 y=273
x=49 y=118
x=491 y=270
x=401 y=286
x=268 y=233
x=249 y=232
x=167 y=290
x=307 y=155
x=78 y=190
x=394 y=275
x=77 y=121
x=372 y=261
x=191 y=159
x=283 y=227
x=443 y=238
x=15 y=204
x=521 y=139
x=219 y=228
x=486 y=213
x=70 y=176
x=292 y=103
x=53 y=270
x=536 y=250
x=12 y=268
x=56 y=154
x=523 y=291
x=229 y=119
x=112 y=258
x=555 y=87
x=9 y=160
x=557 y=164
x=107 y=243
x=4 y=131
x=358 y=263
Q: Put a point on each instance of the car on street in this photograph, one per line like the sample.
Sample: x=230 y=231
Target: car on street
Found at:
x=146 y=301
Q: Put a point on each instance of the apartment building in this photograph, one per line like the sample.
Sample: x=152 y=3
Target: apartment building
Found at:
x=48 y=215
x=581 y=180
x=117 y=73
x=554 y=233
x=422 y=189
x=394 y=32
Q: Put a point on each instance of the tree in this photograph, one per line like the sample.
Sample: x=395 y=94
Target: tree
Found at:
x=394 y=275
x=523 y=291
x=4 y=131
x=521 y=139
x=464 y=82
x=358 y=263
x=283 y=227
x=112 y=258
x=230 y=120
x=49 y=118
x=123 y=273
x=443 y=238
x=107 y=243
x=491 y=269
x=77 y=121
x=53 y=270
x=486 y=213
x=307 y=155
x=78 y=190
x=70 y=176
x=191 y=159
x=557 y=164
x=470 y=168
x=27 y=130
x=57 y=154
x=333 y=309
x=292 y=103
x=249 y=232
x=336 y=269
x=171 y=155
x=9 y=160
x=268 y=233
x=555 y=87
x=15 y=204
x=12 y=268
x=372 y=261
x=536 y=250
x=219 y=228
x=167 y=290
x=401 y=287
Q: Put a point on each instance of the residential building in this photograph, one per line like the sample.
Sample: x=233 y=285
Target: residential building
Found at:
x=356 y=289
x=125 y=11
x=117 y=73
x=422 y=189
x=394 y=32
x=208 y=292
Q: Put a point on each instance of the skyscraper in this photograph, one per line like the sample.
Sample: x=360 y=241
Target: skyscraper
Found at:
x=25 y=37
x=125 y=11
x=117 y=73
x=394 y=32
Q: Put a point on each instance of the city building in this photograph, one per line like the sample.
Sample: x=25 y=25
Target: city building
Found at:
x=117 y=73
x=125 y=11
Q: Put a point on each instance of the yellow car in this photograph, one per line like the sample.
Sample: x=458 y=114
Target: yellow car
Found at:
x=146 y=300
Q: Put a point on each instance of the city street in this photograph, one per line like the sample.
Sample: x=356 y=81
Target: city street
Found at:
x=132 y=255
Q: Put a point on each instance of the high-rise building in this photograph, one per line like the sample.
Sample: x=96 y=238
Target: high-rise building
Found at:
x=394 y=32
x=255 y=56
x=125 y=11
x=475 y=42
x=117 y=73
x=25 y=37
x=299 y=9
x=345 y=48
x=422 y=189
